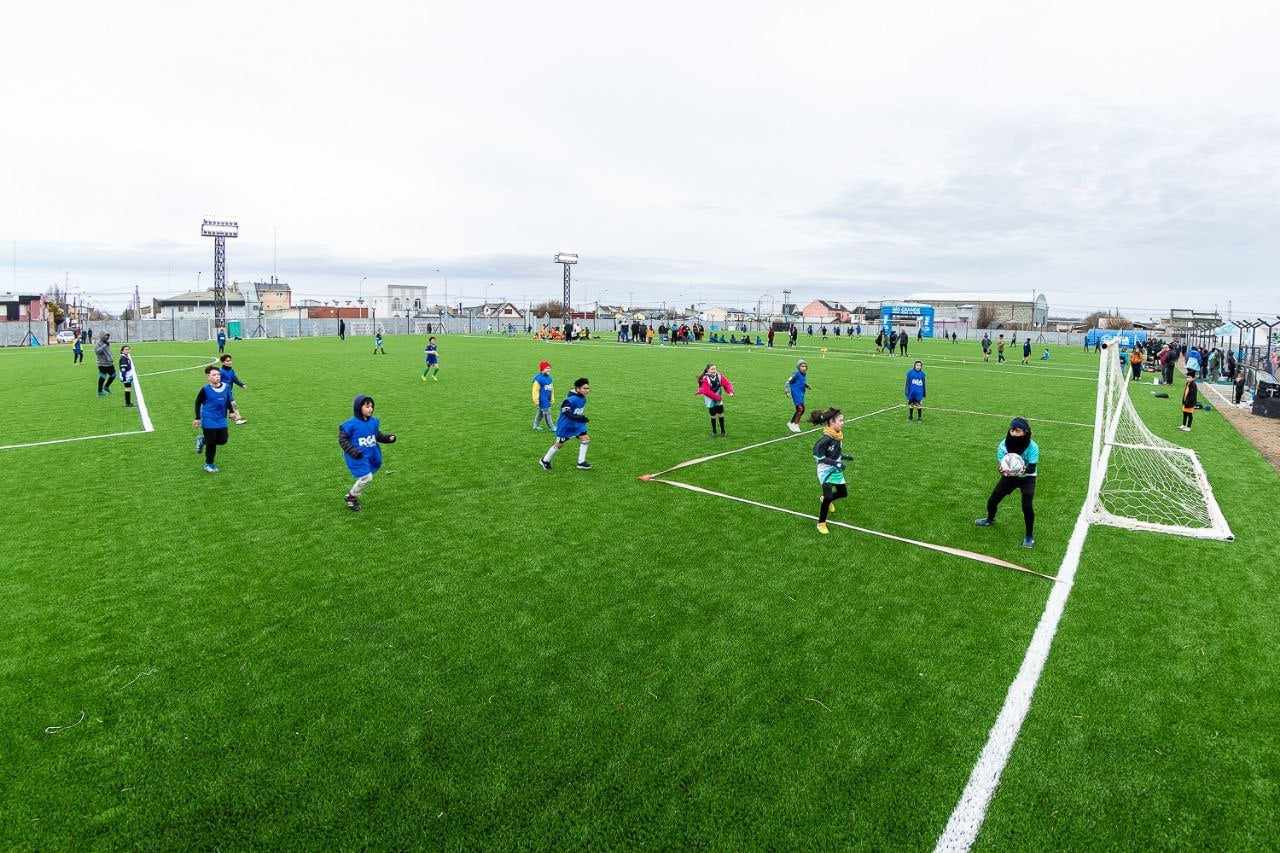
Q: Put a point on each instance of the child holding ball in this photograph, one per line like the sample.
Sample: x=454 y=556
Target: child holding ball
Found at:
x=1016 y=441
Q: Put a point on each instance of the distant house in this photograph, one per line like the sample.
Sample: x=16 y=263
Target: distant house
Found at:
x=23 y=307
x=198 y=303
x=273 y=295
x=1007 y=309
x=822 y=311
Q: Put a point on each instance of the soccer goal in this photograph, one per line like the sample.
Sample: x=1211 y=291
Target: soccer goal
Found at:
x=1145 y=482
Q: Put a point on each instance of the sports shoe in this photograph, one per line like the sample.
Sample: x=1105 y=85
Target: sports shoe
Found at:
x=199 y=443
x=435 y=377
x=1028 y=543
x=102 y=393
x=584 y=466
x=822 y=528
x=212 y=469
x=424 y=377
x=353 y=503
x=241 y=421
x=1184 y=429
x=546 y=466
x=984 y=522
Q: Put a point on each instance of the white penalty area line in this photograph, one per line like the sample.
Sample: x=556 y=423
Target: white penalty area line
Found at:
x=77 y=438
x=786 y=437
x=943 y=549
x=1032 y=419
x=172 y=370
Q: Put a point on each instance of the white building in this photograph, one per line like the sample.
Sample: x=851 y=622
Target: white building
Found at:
x=401 y=298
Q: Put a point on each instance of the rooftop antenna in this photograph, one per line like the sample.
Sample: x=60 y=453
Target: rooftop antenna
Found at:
x=275 y=252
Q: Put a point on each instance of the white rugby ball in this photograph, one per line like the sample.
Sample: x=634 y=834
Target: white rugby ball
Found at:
x=1013 y=465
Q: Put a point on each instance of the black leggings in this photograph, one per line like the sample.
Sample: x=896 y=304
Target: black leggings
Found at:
x=79 y=358
x=1006 y=486
x=213 y=437
x=717 y=413
x=795 y=419
x=831 y=492
x=1186 y=419
x=105 y=374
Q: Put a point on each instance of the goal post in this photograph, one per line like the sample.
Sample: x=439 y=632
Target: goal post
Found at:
x=1139 y=481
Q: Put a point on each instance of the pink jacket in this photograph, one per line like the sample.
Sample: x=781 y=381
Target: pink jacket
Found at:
x=704 y=388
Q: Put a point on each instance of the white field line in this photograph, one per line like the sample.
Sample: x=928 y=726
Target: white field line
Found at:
x=1033 y=420
x=867 y=358
x=147 y=426
x=174 y=370
x=77 y=438
x=971 y=810
x=945 y=549
x=786 y=437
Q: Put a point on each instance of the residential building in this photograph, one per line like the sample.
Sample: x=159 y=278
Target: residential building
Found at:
x=1007 y=309
x=199 y=303
x=23 y=307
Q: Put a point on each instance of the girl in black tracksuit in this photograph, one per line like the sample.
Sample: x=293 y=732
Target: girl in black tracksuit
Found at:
x=830 y=457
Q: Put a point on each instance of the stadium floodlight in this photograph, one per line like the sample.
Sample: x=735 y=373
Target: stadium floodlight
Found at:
x=567 y=259
x=219 y=230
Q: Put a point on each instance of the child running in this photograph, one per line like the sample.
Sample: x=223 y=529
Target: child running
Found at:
x=126 y=374
x=797 y=386
x=106 y=368
x=212 y=404
x=829 y=454
x=359 y=437
x=377 y=343
x=542 y=392
x=232 y=380
x=433 y=360
x=572 y=423
x=1189 y=394
x=714 y=386
x=1026 y=350
x=915 y=391
x=1017 y=440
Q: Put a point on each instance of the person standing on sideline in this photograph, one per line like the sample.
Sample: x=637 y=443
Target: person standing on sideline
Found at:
x=830 y=457
x=106 y=367
x=1017 y=440
x=1136 y=358
x=1189 y=394
x=1238 y=386
x=126 y=375
x=771 y=337
x=797 y=385
x=77 y=351
x=902 y=342
x=342 y=329
x=377 y=343
x=986 y=346
x=222 y=340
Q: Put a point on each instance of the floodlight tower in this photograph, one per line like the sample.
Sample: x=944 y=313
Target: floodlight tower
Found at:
x=219 y=230
x=567 y=259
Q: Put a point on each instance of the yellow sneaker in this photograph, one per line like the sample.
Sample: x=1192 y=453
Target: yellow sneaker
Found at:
x=822 y=528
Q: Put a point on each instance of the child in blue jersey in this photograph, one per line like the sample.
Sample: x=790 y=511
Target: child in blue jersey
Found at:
x=377 y=343
x=126 y=374
x=433 y=360
x=915 y=391
x=212 y=405
x=232 y=380
x=77 y=351
x=359 y=437
x=796 y=386
x=542 y=393
x=1018 y=440
x=222 y=340
x=572 y=423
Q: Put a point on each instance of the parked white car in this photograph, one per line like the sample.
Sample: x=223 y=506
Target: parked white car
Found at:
x=66 y=336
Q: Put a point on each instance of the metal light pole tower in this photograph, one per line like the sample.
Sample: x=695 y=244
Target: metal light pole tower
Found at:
x=219 y=230
x=567 y=259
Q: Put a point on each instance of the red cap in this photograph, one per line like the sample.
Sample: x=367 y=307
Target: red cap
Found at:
x=543 y=365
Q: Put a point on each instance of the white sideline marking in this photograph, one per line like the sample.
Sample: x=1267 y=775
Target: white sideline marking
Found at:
x=998 y=415
x=786 y=437
x=142 y=401
x=945 y=549
x=971 y=810
x=77 y=438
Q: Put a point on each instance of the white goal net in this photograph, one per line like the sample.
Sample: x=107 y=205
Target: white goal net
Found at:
x=1145 y=482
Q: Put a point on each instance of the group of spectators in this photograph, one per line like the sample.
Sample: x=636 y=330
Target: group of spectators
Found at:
x=637 y=332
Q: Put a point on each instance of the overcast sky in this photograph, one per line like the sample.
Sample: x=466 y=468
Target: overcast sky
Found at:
x=1107 y=154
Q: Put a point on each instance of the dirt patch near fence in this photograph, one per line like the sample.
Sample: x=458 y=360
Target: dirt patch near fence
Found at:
x=1262 y=433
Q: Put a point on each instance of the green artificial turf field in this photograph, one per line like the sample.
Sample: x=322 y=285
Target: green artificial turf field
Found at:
x=493 y=656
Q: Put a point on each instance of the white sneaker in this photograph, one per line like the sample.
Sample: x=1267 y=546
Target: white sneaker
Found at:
x=1184 y=429
x=793 y=427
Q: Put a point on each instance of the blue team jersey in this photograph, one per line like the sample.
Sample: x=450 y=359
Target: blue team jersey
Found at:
x=572 y=422
x=229 y=376
x=433 y=356
x=797 y=386
x=544 y=390
x=915 y=385
x=217 y=402
x=364 y=435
